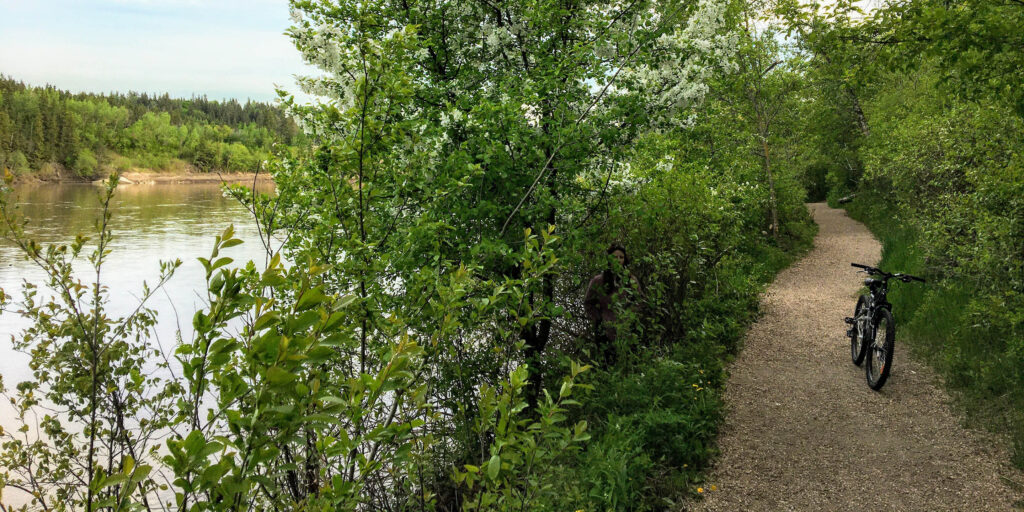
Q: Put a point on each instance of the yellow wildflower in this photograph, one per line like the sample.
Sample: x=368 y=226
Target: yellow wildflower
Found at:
x=700 y=490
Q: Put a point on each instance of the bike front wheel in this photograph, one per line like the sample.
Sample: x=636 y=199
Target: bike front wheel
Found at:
x=859 y=341
x=879 y=352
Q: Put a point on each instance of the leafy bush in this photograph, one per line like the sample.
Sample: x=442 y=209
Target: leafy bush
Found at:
x=16 y=162
x=85 y=164
x=121 y=164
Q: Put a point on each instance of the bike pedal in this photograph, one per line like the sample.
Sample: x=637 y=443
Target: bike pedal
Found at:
x=849 y=333
x=848 y=320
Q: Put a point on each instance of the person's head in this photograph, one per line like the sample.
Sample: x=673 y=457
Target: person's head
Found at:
x=617 y=251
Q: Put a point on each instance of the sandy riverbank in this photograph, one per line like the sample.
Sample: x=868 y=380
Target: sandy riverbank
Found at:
x=146 y=177
x=158 y=178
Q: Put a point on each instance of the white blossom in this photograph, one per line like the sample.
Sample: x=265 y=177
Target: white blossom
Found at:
x=690 y=55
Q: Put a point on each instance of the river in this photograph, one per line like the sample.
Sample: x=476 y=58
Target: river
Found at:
x=150 y=223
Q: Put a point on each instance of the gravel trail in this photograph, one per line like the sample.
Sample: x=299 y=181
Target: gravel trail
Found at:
x=804 y=432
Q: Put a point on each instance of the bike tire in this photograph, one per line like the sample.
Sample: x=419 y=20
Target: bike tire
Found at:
x=879 y=357
x=859 y=341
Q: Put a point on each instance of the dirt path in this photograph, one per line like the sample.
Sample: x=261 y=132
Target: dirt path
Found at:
x=804 y=431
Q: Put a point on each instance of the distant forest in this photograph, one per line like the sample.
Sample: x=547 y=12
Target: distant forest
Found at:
x=43 y=129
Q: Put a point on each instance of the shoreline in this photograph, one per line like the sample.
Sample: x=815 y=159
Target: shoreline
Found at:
x=164 y=178
x=155 y=178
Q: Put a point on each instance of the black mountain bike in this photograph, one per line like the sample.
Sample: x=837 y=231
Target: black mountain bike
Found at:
x=872 y=329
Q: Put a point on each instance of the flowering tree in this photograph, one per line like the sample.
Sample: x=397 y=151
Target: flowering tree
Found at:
x=483 y=119
x=403 y=359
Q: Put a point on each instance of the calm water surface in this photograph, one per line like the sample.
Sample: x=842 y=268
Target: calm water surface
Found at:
x=150 y=223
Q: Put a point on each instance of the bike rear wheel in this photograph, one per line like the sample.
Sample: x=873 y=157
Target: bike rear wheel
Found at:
x=859 y=340
x=879 y=360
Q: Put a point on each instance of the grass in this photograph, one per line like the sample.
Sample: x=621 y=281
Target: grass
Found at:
x=957 y=329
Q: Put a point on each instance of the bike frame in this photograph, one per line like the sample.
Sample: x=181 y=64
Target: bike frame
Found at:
x=878 y=289
x=864 y=326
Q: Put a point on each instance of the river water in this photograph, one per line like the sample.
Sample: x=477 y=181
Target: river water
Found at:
x=150 y=223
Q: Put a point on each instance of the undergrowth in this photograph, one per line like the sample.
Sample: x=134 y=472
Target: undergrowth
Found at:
x=654 y=418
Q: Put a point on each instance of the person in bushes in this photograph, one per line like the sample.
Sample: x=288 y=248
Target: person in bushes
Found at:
x=606 y=297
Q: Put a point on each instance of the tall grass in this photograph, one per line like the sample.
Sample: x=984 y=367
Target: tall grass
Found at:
x=954 y=326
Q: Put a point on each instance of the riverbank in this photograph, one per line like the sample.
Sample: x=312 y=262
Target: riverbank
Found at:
x=145 y=177
x=164 y=178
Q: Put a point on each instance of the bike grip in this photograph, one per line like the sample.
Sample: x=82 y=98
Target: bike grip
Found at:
x=858 y=265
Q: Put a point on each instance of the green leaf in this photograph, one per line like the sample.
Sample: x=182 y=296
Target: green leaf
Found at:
x=346 y=300
x=141 y=473
x=310 y=299
x=220 y=263
x=278 y=376
x=113 y=480
x=494 y=466
x=267 y=319
x=194 y=442
x=282 y=409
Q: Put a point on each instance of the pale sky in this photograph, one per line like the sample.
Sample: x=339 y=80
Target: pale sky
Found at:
x=221 y=48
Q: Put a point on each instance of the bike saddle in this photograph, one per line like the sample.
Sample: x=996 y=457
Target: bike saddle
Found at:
x=871 y=282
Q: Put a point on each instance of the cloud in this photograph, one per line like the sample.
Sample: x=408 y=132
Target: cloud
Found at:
x=232 y=49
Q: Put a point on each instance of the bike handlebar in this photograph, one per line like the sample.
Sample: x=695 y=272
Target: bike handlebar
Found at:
x=906 y=278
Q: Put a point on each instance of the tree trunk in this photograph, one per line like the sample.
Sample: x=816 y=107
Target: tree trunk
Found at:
x=773 y=203
x=862 y=120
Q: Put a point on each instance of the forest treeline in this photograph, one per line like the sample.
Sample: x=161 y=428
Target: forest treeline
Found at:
x=427 y=347
x=93 y=134
x=920 y=113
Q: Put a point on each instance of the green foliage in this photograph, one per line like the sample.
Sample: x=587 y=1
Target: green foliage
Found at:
x=16 y=162
x=522 y=463
x=421 y=348
x=50 y=126
x=85 y=163
x=121 y=164
x=974 y=43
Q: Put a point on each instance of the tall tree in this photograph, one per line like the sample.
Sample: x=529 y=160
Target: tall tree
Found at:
x=522 y=99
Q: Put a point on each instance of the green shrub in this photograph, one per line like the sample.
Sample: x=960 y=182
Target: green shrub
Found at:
x=610 y=471
x=85 y=164
x=151 y=161
x=121 y=164
x=16 y=162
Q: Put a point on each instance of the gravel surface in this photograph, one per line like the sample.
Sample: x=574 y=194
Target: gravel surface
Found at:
x=804 y=431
